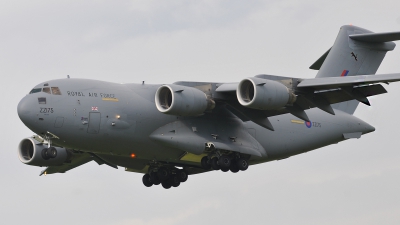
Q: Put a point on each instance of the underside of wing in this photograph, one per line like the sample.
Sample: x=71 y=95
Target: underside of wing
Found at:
x=78 y=160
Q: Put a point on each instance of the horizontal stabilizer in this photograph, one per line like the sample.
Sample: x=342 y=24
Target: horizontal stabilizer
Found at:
x=376 y=37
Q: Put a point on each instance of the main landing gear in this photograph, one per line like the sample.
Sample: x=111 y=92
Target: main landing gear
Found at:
x=167 y=177
x=224 y=163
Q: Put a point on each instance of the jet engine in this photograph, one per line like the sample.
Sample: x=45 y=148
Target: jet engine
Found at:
x=182 y=101
x=35 y=153
x=264 y=94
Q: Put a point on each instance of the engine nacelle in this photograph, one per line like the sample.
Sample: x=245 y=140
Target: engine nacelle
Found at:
x=264 y=94
x=182 y=101
x=30 y=152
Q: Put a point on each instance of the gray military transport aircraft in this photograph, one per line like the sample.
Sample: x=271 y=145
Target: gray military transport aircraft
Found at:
x=170 y=131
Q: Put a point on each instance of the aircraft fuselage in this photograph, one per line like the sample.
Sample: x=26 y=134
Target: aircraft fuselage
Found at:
x=117 y=120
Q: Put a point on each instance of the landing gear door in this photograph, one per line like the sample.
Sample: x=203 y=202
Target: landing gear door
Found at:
x=94 y=123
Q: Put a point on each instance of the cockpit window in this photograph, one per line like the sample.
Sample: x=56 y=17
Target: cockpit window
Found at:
x=35 y=90
x=56 y=91
x=47 y=90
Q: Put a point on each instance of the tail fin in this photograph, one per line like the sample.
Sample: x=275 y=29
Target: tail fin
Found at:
x=356 y=51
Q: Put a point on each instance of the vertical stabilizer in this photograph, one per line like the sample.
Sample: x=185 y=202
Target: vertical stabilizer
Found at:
x=350 y=56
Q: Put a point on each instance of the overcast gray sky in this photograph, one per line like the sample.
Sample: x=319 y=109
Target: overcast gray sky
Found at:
x=354 y=182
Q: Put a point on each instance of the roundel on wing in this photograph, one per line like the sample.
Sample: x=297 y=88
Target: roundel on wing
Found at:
x=308 y=124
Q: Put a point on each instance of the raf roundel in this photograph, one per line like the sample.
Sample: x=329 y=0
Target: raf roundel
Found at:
x=308 y=124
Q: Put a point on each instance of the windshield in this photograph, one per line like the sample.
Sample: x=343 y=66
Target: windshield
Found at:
x=35 y=90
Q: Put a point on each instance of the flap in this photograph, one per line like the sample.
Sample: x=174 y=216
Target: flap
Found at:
x=337 y=82
x=337 y=95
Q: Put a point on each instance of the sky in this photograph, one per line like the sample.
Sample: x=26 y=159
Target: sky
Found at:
x=353 y=182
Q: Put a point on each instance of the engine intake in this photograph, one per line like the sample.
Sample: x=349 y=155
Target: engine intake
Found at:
x=264 y=94
x=182 y=101
x=30 y=152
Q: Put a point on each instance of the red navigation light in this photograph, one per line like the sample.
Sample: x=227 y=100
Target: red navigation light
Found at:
x=133 y=155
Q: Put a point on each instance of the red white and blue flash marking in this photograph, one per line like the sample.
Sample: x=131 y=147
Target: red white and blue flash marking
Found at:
x=308 y=124
x=344 y=73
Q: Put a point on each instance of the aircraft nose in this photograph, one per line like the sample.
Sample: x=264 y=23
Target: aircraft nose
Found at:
x=24 y=110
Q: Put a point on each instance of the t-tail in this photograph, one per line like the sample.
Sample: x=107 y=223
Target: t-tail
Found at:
x=356 y=51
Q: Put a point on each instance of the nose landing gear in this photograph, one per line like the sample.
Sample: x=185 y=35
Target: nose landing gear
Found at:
x=50 y=152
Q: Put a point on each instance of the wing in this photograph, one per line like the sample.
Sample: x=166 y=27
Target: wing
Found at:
x=78 y=160
x=339 y=82
x=310 y=93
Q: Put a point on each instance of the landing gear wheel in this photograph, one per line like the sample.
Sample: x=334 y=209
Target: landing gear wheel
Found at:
x=224 y=162
x=224 y=169
x=205 y=163
x=174 y=181
x=234 y=168
x=52 y=152
x=147 y=180
x=45 y=154
x=242 y=164
x=166 y=184
x=214 y=163
x=163 y=174
x=182 y=175
x=154 y=178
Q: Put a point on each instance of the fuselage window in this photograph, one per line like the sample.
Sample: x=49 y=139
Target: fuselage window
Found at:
x=47 y=90
x=35 y=90
x=56 y=91
x=42 y=100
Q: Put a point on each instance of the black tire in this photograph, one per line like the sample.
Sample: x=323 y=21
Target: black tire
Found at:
x=154 y=178
x=224 y=169
x=45 y=154
x=205 y=163
x=214 y=163
x=52 y=152
x=234 y=168
x=224 y=162
x=182 y=175
x=166 y=184
x=147 y=180
x=174 y=181
x=163 y=174
x=242 y=164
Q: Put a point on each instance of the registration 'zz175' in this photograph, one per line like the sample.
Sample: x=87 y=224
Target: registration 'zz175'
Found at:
x=46 y=110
